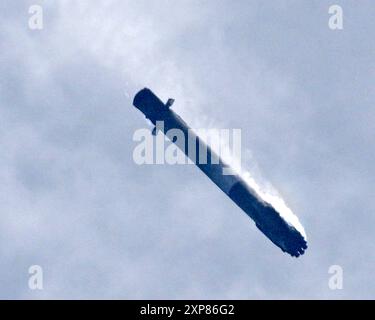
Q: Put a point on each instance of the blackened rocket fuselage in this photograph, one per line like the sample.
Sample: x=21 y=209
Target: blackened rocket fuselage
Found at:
x=266 y=218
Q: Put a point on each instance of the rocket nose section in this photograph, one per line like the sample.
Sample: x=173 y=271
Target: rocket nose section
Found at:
x=141 y=98
x=149 y=104
x=140 y=95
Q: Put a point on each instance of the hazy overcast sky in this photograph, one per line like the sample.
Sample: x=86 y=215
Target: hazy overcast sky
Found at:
x=73 y=201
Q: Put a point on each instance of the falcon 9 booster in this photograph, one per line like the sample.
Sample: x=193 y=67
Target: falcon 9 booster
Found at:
x=283 y=233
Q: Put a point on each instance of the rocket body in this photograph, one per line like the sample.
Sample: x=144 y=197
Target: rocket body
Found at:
x=266 y=218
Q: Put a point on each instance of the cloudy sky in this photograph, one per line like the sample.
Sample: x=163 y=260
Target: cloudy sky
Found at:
x=73 y=201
